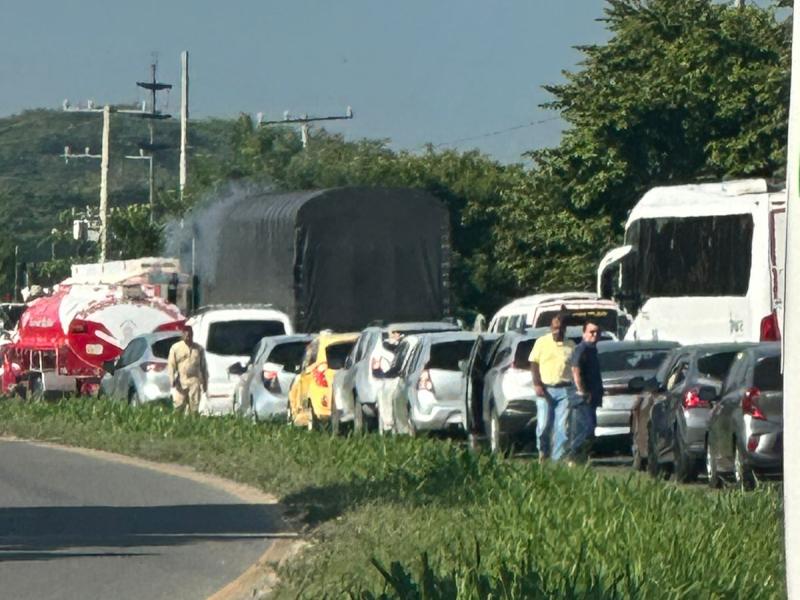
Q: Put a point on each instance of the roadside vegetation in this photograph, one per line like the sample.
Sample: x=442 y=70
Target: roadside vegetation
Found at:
x=426 y=518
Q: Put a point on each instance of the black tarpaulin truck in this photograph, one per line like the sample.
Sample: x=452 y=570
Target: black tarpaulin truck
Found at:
x=335 y=258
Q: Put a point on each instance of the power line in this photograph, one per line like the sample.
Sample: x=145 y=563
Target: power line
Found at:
x=491 y=133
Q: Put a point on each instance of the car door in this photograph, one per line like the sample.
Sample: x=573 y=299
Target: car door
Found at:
x=662 y=413
x=122 y=370
x=477 y=367
x=406 y=395
x=719 y=427
x=493 y=382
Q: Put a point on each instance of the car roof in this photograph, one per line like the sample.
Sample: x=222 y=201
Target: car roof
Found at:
x=615 y=346
x=237 y=313
x=764 y=349
x=718 y=347
x=157 y=336
x=447 y=336
x=276 y=340
x=421 y=326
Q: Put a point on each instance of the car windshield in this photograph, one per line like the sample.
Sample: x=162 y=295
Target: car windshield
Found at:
x=632 y=360
x=289 y=355
x=446 y=355
x=767 y=376
x=716 y=365
x=335 y=354
x=238 y=338
x=161 y=348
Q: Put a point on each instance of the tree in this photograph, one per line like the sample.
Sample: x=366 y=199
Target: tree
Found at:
x=685 y=90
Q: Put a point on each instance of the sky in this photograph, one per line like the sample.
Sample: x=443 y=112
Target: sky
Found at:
x=414 y=72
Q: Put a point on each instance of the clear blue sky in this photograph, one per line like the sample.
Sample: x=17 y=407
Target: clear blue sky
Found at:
x=414 y=71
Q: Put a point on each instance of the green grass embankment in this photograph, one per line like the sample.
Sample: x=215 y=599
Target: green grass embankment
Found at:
x=427 y=518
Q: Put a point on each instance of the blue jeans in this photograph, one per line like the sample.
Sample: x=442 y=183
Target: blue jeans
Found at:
x=582 y=423
x=561 y=397
x=544 y=425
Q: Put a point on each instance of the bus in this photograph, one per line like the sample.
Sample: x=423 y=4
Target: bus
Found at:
x=701 y=263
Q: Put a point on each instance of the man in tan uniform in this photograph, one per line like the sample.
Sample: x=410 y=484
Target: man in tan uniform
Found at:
x=188 y=373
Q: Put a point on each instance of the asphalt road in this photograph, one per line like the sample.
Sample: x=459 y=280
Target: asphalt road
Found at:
x=73 y=526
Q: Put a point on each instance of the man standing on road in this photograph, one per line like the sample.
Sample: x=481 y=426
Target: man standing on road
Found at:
x=188 y=373
x=589 y=386
x=552 y=382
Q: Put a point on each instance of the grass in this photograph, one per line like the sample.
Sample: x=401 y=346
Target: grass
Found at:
x=423 y=518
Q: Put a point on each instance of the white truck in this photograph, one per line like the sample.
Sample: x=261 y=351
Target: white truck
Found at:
x=702 y=263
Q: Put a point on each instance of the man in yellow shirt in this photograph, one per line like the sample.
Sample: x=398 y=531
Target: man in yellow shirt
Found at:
x=188 y=372
x=553 y=384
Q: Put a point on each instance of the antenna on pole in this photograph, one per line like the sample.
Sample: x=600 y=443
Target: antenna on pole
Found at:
x=304 y=121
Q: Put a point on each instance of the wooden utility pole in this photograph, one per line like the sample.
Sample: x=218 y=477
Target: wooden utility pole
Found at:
x=104 y=183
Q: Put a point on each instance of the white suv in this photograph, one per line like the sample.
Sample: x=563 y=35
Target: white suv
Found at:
x=229 y=333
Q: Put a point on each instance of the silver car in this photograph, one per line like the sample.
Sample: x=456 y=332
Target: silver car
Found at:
x=263 y=387
x=356 y=386
x=745 y=428
x=508 y=406
x=430 y=393
x=139 y=375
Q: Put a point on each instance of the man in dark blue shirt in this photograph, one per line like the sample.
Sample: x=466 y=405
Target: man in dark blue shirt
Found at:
x=589 y=390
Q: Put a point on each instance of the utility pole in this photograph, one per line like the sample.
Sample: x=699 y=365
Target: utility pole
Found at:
x=104 y=159
x=153 y=86
x=304 y=121
x=184 y=121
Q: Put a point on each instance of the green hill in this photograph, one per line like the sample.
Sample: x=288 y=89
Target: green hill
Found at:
x=36 y=184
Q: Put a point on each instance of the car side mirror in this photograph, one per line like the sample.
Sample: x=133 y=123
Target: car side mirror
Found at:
x=463 y=364
x=236 y=368
x=637 y=385
x=109 y=366
x=707 y=394
x=348 y=362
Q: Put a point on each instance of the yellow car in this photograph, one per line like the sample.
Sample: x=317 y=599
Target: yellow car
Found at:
x=310 y=393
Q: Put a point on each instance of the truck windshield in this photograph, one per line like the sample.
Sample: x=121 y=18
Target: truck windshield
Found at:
x=689 y=256
x=238 y=338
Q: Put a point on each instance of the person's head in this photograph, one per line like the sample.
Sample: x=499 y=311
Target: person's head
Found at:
x=187 y=335
x=558 y=326
x=591 y=332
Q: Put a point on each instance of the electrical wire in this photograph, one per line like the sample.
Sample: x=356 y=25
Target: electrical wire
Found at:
x=491 y=133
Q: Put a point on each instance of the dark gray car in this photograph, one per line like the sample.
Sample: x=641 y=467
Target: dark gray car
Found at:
x=679 y=419
x=745 y=427
x=619 y=363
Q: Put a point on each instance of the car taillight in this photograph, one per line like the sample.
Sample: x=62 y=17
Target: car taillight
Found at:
x=153 y=367
x=770 y=332
x=691 y=399
x=319 y=375
x=425 y=382
x=750 y=404
x=270 y=380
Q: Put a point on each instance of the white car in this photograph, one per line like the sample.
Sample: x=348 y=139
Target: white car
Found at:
x=229 y=333
x=263 y=387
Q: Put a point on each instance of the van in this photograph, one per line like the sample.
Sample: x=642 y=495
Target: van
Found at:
x=538 y=310
x=229 y=333
x=702 y=263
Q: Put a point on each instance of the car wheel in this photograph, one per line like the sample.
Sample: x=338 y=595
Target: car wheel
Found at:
x=358 y=417
x=498 y=441
x=289 y=416
x=133 y=398
x=745 y=478
x=313 y=421
x=685 y=470
x=253 y=413
x=654 y=468
x=712 y=473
